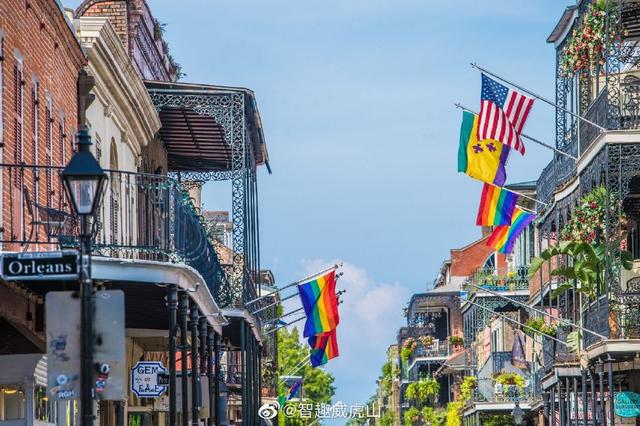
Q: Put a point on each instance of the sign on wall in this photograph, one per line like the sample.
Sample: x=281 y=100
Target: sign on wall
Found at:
x=144 y=379
x=61 y=265
x=627 y=404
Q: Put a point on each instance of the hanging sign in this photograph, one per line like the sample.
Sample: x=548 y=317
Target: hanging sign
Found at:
x=144 y=379
x=627 y=404
x=60 y=265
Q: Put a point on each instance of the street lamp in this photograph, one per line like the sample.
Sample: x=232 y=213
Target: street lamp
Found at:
x=83 y=178
x=517 y=413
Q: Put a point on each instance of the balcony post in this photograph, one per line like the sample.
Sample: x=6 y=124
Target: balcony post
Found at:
x=567 y=398
x=601 y=417
x=243 y=357
x=612 y=414
x=545 y=408
x=553 y=405
x=576 y=407
x=183 y=310
x=584 y=397
x=211 y=374
x=172 y=304
x=202 y=339
x=592 y=383
x=561 y=404
x=195 y=379
x=216 y=351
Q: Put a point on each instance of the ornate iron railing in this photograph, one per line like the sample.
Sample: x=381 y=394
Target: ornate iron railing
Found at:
x=142 y=216
x=437 y=349
x=557 y=353
x=487 y=278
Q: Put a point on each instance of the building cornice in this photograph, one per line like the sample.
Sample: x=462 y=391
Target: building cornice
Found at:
x=117 y=82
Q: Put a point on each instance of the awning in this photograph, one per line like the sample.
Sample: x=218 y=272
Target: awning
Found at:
x=201 y=123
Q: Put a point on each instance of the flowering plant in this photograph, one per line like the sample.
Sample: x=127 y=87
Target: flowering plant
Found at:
x=590 y=215
x=584 y=48
x=408 y=346
x=426 y=340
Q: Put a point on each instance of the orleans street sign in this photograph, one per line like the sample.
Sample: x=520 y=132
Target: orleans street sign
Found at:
x=53 y=265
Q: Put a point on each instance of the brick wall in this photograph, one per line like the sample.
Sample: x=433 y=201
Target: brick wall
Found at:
x=466 y=260
x=41 y=60
x=115 y=10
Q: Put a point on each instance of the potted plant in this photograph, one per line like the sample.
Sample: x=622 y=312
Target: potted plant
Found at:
x=408 y=346
x=456 y=341
x=469 y=383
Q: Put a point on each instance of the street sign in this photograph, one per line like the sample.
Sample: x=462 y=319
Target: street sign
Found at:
x=52 y=265
x=63 y=345
x=109 y=355
x=144 y=379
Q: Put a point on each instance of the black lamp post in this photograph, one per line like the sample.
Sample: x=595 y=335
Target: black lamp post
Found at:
x=83 y=178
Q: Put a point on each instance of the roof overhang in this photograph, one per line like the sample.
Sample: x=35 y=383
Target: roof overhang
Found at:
x=193 y=136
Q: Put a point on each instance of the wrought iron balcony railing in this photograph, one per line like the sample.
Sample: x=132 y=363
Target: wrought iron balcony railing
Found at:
x=142 y=216
x=488 y=279
x=437 y=349
x=557 y=353
x=616 y=316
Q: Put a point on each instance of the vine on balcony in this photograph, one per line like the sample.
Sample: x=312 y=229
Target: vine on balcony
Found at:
x=539 y=324
x=584 y=49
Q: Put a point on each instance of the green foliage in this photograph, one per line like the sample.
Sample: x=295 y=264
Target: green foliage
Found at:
x=432 y=416
x=405 y=354
x=497 y=420
x=411 y=416
x=454 y=413
x=456 y=340
x=318 y=384
x=389 y=373
x=507 y=379
x=540 y=325
x=469 y=383
x=422 y=391
x=387 y=419
x=408 y=346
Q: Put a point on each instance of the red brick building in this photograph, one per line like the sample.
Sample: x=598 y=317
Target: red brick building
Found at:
x=41 y=58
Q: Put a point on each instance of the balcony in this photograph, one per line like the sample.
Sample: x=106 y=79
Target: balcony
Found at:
x=554 y=353
x=142 y=217
x=486 y=278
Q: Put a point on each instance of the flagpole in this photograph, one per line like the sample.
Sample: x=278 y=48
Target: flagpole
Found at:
x=296 y=367
x=274 y=304
x=534 y=140
x=285 y=325
x=284 y=315
x=324 y=271
x=535 y=95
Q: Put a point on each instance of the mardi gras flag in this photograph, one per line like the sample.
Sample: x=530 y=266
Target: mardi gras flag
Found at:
x=504 y=237
x=496 y=206
x=503 y=113
x=323 y=348
x=483 y=160
x=320 y=304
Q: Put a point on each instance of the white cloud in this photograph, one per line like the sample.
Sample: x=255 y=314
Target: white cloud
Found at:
x=370 y=316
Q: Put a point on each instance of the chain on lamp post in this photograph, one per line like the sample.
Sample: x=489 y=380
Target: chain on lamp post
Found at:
x=83 y=179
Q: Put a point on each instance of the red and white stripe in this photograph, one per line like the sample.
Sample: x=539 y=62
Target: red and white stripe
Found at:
x=505 y=125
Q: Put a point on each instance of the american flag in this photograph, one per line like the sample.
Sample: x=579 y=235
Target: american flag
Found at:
x=503 y=113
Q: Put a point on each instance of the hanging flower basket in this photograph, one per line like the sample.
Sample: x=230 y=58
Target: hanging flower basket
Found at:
x=585 y=48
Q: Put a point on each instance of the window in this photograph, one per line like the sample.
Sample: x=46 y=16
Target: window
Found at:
x=17 y=197
x=490 y=264
x=48 y=123
x=35 y=133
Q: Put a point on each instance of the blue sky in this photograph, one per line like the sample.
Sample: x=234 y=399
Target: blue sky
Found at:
x=356 y=98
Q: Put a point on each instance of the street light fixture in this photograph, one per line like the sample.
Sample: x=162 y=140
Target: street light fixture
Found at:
x=517 y=413
x=83 y=178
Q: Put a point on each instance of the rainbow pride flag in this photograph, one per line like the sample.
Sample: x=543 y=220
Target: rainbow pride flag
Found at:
x=504 y=237
x=323 y=348
x=320 y=304
x=496 y=206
